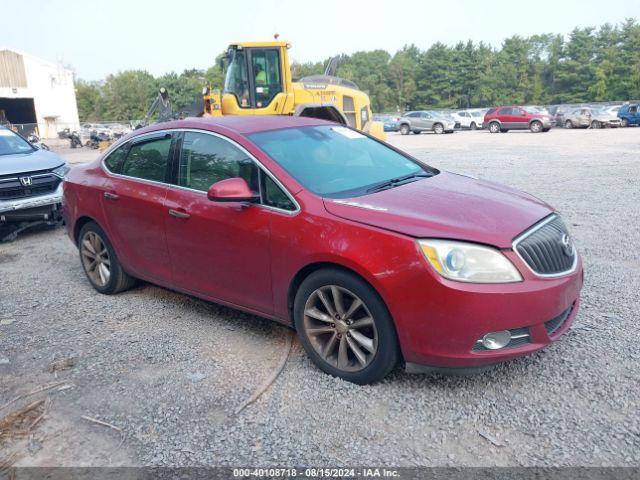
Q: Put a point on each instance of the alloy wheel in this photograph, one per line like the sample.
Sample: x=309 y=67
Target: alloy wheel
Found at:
x=95 y=258
x=340 y=328
x=438 y=128
x=494 y=127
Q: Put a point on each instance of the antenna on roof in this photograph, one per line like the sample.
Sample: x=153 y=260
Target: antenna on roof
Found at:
x=276 y=36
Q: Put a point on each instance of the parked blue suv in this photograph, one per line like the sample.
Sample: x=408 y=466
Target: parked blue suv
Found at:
x=629 y=114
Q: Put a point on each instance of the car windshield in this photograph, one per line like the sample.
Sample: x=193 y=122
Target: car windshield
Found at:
x=337 y=162
x=12 y=143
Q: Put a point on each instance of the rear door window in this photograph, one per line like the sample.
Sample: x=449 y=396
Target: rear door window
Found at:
x=148 y=159
x=115 y=159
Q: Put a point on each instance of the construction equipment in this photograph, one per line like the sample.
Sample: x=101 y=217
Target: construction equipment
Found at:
x=258 y=81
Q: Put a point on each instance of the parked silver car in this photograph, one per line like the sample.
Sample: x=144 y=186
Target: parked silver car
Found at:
x=30 y=185
x=594 y=117
x=421 y=121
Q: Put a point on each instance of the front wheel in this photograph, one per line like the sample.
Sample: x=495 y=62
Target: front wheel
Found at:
x=100 y=262
x=624 y=123
x=494 y=127
x=568 y=124
x=404 y=129
x=596 y=124
x=438 y=128
x=535 y=127
x=345 y=327
x=473 y=126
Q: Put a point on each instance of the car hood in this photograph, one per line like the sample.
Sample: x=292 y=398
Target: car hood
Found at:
x=29 y=162
x=447 y=205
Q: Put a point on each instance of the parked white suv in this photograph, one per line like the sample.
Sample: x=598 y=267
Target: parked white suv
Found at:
x=469 y=120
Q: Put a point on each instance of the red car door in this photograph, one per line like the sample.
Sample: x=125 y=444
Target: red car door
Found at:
x=218 y=250
x=520 y=118
x=133 y=203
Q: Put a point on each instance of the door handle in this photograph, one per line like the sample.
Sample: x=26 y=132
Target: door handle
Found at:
x=111 y=196
x=178 y=214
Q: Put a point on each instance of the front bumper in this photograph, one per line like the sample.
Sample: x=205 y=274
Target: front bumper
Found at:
x=441 y=329
x=12 y=208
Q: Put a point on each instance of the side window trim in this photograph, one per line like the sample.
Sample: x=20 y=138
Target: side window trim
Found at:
x=147 y=137
x=262 y=170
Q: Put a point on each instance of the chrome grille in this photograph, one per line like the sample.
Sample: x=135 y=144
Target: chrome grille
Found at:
x=41 y=183
x=547 y=248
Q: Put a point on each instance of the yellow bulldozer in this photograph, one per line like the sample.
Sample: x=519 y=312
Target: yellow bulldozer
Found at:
x=258 y=81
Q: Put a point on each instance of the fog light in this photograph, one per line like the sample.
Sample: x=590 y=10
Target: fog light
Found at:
x=496 y=340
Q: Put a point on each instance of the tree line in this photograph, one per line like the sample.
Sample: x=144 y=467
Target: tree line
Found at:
x=589 y=65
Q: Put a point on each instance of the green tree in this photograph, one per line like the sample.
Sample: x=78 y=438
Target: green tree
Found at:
x=89 y=99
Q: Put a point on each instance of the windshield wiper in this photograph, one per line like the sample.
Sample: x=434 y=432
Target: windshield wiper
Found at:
x=396 y=182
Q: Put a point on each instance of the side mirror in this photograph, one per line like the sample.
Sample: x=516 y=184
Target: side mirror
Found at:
x=232 y=190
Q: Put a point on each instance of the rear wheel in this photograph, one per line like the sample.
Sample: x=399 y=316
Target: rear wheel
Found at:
x=596 y=124
x=494 y=127
x=624 y=123
x=568 y=124
x=345 y=327
x=100 y=262
x=404 y=129
x=473 y=126
x=438 y=128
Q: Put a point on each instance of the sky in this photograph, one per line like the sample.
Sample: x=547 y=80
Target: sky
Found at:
x=97 y=38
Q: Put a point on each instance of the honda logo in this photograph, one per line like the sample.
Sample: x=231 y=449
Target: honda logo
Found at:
x=26 y=181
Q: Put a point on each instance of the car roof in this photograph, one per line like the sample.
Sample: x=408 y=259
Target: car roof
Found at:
x=241 y=124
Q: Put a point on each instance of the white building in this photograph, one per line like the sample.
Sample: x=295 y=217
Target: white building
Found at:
x=36 y=93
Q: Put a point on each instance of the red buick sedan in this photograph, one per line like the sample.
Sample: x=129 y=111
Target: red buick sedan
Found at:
x=373 y=257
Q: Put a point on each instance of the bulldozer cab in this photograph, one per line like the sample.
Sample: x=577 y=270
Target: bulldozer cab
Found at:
x=257 y=78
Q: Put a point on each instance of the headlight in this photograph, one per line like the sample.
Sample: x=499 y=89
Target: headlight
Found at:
x=62 y=170
x=468 y=262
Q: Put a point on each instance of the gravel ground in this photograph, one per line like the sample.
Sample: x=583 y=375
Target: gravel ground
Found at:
x=170 y=371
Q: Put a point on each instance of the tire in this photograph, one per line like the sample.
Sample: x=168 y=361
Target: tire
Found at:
x=568 y=124
x=438 y=128
x=404 y=129
x=417 y=132
x=624 y=123
x=535 y=126
x=504 y=130
x=114 y=279
x=494 y=127
x=473 y=126
x=336 y=334
x=596 y=124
